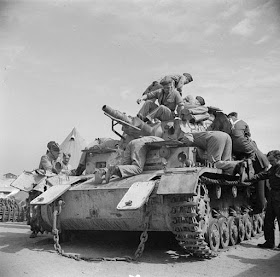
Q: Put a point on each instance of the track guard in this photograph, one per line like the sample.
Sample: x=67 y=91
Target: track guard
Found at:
x=136 y=196
x=50 y=195
x=178 y=181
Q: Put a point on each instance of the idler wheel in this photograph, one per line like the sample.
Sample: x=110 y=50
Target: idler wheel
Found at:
x=233 y=231
x=248 y=227
x=241 y=229
x=213 y=236
x=224 y=232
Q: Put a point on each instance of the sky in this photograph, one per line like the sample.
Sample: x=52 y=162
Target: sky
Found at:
x=62 y=60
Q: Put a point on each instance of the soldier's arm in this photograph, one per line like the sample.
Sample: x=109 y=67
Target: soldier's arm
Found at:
x=179 y=103
x=180 y=83
x=247 y=132
x=46 y=164
x=260 y=176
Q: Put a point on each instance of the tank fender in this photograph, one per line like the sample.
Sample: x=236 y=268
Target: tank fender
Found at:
x=50 y=195
x=182 y=180
x=136 y=196
x=58 y=187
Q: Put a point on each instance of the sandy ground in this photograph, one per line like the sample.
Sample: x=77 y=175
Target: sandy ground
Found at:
x=22 y=256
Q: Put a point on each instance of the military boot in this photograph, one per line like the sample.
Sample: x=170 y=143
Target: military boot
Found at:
x=267 y=244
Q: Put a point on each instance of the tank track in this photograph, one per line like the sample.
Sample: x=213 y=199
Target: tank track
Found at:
x=200 y=233
x=189 y=221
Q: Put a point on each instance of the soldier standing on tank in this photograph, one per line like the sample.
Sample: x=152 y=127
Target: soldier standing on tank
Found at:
x=169 y=100
x=273 y=203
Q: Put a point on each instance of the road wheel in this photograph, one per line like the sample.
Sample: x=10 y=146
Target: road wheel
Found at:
x=224 y=232
x=213 y=236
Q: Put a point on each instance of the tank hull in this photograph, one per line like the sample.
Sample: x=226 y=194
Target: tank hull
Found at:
x=94 y=207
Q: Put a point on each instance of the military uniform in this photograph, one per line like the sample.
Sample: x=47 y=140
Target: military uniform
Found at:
x=179 y=81
x=241 y=141
x=135 y=156
x=244 y=146
x=47 y=163
x=66 y=168
x=167 y=105
x=273 y=203
x=218 y=146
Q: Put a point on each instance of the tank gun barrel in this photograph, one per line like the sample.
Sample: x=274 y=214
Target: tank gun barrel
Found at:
x=117 y=114
x=133 y=126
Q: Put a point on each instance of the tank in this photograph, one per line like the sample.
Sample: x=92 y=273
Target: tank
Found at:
x=177 y=192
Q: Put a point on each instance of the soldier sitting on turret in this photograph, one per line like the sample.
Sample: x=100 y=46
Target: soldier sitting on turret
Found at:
x=169 y=100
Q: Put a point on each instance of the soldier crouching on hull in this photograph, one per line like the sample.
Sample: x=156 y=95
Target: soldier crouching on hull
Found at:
x=134 y=159
x=273 y=203
x=48 y=165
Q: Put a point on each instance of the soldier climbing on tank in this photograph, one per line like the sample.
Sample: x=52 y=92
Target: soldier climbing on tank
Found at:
x=169 y=100
x=194 y=109
x=179 y=82
x=273 y=204
x=49 y=164
x=242 y=144
x=218 y=146
x=133 y=160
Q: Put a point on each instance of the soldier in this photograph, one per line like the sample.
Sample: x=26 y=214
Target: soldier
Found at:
x=218 y=146
x=273 y=203
x=241 y=137
x=179 y=82
x=48 y=161
x=133 y=160
x=65 y=166
x=169 y=100
x=49 y=164
x=242 y=144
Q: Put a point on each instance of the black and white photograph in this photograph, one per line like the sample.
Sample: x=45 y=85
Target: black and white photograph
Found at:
x=140 y=138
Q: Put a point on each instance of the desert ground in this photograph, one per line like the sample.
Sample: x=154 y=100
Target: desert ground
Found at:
x=22 y=256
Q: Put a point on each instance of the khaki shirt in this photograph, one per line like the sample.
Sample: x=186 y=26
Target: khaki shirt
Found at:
x=170 y=100
x=179 y=80
x=47 y=163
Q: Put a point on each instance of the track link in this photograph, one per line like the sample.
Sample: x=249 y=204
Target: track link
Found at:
x=189 y=218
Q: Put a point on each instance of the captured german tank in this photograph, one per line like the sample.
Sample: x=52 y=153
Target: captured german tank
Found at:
x=178 y=191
